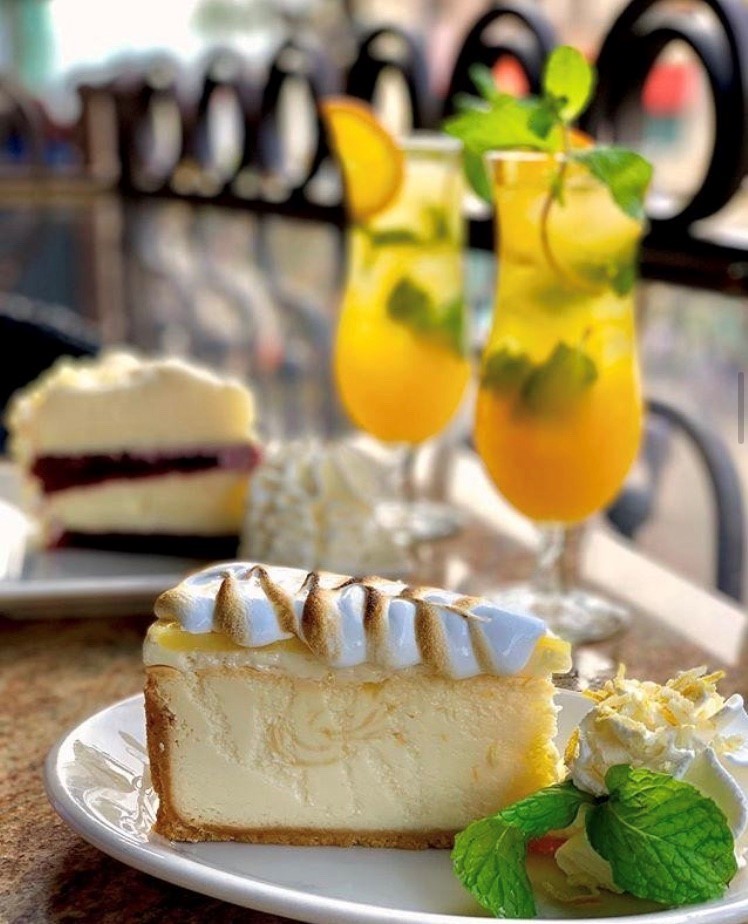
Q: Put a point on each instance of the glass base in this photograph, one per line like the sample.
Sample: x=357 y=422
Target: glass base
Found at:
x=576 y=615
x=420 y=520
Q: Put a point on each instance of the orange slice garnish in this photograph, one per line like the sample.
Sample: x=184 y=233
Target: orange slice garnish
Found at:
x=373 y=165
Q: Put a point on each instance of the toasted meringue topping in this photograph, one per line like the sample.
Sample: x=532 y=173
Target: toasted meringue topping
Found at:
x=350 y=621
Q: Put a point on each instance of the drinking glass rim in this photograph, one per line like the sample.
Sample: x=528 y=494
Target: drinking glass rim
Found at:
x=518 y=154
x=579 y=180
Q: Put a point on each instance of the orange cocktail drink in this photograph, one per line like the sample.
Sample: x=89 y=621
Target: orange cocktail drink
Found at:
x=559 y=413
x=400 y=351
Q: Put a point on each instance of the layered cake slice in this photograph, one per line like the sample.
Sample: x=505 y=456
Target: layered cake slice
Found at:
x=305 y=708
x=130 y=453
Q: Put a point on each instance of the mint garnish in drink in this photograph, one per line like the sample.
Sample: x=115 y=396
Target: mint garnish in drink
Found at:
x=434 y=218
x=549 y=388
x=410 y=304
x=663 y=839
x=497 y=121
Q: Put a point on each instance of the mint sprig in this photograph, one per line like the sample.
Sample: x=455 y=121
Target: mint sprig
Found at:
x=663 y=839
x=489 y=855
x=410 y=304
x=500 y=121
x=557 y=384
x=550 y=388
x=547 y=810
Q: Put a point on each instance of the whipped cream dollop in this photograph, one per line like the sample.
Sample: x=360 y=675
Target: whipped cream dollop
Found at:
x=345 y=622
x=314 y=505
x=684 y=728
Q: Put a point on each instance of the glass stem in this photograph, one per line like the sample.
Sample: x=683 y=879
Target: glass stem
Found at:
x=548 y=577
x=408 y=473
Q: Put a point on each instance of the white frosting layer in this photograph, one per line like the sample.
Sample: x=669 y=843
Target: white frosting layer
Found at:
x=314 y=505
x=346 y=622
x=123 y=402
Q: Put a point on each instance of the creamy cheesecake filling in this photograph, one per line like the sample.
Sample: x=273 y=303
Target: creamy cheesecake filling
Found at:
x=202 y=503
x=265 y=751
x=192 y=545
x=58 y=473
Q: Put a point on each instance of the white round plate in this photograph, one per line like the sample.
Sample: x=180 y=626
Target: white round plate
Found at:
x=97 y=780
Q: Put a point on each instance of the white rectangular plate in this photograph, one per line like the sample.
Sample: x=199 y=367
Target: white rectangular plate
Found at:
x=73 y=582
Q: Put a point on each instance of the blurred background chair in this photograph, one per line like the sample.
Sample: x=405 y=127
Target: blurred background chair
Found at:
x=637 y=503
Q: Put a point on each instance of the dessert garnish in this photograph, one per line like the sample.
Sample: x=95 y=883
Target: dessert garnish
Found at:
x=314 y=505
x=655 y=803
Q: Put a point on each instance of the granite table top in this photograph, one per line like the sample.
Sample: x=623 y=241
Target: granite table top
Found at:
x=56 y=672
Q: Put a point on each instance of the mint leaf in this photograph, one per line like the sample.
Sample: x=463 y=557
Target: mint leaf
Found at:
x=547 y=810
x=489 y=860
x=570 y=80
x=556 y=384
x=476 y=174
x=626 y=174
x=547 y=388
x=392 y=237
x=664 y=841
x=505 y=370
x=504 y=124
x=544 y=117
x=489 y=855
x=410 y=304
x=618 y=273
x=485 y=84
x=623 y=279
x=439 y=220
x=449 y=325
x=465 y=102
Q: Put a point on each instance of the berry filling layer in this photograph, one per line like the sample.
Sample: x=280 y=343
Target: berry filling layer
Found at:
x=59 y=473
x=199 y=547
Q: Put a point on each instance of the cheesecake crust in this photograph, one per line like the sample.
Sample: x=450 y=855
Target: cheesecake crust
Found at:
x=178 y=830
x=171 y=825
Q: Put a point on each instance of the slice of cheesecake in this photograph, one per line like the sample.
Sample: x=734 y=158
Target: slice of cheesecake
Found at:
x=293 y=708
x=130 y=453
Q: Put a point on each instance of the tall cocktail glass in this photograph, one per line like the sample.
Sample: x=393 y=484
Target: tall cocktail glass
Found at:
x=559 y=410
x=401 y=362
